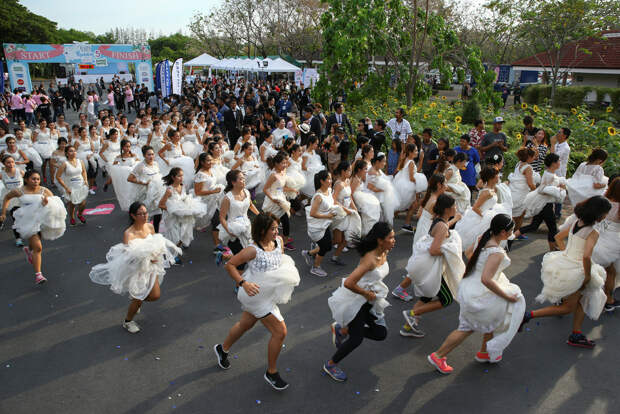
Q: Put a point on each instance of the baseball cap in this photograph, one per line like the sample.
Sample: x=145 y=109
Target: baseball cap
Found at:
x=498 y=119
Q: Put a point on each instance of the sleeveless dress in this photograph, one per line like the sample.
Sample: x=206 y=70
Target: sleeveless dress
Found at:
x=9 y=183
x=269 y=151
x=547 y=192
x=191 y=147
x=157 y=141
x=112 y=151
x=276 y=276
x=17 y=157
x=483 y=311
x=129 y=268
x=154 y=191
x=182 y=210
x=33 y=217
x=458 y=190
x=408 y=189
x=580 y=186
x=212 y=201
x=73 y=179
x=313 y=166
x=143 y=137
x=423 y=226
x=294 y=177
x=345 y=304
x=368 y=206
x=426 y=271
x=519 y=188
x=176 y=158
x=351 y=224
x=44 y=145
x=277 y=192
x=84 y=152
x=318 y=226
x=562 y=273
x=237 y=221
x=25 y=145
x=126 y=192
x=471 y=226
x=607 y=249
x=389 y=198
x=62 y=131
x=253 y=173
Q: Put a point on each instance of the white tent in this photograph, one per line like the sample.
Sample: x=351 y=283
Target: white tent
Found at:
x=280 y=65
x=256 y=65
x=202 y=60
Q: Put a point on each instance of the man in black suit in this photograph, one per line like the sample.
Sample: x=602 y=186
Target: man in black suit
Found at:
x=340 y=118
x=378 y=138
x=314 y=122
x=233 y=120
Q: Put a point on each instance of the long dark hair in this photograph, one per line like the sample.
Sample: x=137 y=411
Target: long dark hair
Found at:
x=499 y=223
x=133 y=210
x=201 y=158
x=341 y=167
x=260 y=226
x=169 y=179
x=231 y=177
x=358 y=166
x=444 y=202
x=433 y=185
x=370 y=241
x=320 y=176
x=592 y=210
x=276 y=159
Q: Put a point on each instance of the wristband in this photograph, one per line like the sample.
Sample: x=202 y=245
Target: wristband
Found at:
x=241 y=282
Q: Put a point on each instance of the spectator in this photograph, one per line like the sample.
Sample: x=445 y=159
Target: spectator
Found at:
x=428 y=146
x=468 y=175
x=559 y=146
x=495 y=142
x=399 y=127
x=340 y=118
x=284 y=105
x=476 y=135
x=378 y=137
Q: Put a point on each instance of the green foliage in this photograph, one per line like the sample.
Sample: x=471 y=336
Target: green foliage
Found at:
x=568 y=97
x=19 y=25
x=471 y=111
x=483 y=91
x=170 y=47
x=460 y=75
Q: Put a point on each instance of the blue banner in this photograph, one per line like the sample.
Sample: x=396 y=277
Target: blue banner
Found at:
x=166 y=79
x=158 y=77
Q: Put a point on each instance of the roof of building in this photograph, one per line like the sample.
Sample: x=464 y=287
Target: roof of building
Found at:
x=603 y=52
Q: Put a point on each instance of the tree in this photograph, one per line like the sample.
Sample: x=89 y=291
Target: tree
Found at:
x=20 y=25
x=171 y=47
x=548 y=26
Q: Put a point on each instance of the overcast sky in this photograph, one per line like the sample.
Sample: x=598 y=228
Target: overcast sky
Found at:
x=101 y=16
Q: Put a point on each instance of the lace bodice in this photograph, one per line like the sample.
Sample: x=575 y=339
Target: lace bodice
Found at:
x=238 y=208
x=266 y=261
x=595 y=171
x=344 y=196
x=144 y=172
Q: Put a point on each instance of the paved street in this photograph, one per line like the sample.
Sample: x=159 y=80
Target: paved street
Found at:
x=62 y=348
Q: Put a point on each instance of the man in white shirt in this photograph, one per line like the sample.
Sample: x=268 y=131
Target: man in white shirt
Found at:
x=399 y=127
x=559 y=145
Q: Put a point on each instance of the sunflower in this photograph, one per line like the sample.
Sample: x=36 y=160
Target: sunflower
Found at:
x=432 y=105
x=443 y=124
x=580 y=117
x=611 y=131
x=536 y=109
x=574 y=111
x=439 y=116
x=443 y=98
x=518 y=136
x=609 y=109
x=592 y=122
x=523 y=105
x=458 y=119
x=456 y=128
x=425 y=116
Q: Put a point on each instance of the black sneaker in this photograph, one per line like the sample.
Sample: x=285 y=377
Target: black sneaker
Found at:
x=276 y=381
x=222 y=357
x=408 y=228
x=580 y=341
x=610 y=307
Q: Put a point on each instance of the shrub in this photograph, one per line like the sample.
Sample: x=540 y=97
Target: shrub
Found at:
x=471 y=111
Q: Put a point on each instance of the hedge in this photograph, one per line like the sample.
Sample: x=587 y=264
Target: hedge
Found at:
x=570 y=96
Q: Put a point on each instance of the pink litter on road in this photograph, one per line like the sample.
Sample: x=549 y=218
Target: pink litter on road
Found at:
x=100 y=210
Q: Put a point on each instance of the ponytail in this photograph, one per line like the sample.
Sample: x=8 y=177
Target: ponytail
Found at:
x=499 y=223
x=433 y=185
x=231 y=177
x=169 y=179
x=370 y=241
x=276 y=159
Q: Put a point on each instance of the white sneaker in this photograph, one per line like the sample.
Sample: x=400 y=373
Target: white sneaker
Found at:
x=91 y=192
x=317 y=271
x=131 y=327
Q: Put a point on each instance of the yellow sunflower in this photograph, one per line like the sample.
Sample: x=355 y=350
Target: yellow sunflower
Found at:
x=518 y=136
x=443 y=124
x=523 y=105
x=425 y=116
x=580 y=117
x=456 y=128
x=432 y=105
x=536 y=109
x=574 y=111
x=443 y=98
x=458 y=119
x=439 y=116
x=611 y=131
x=609 y=109
x=592 y=122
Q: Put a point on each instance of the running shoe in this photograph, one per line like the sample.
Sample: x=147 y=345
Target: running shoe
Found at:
x=19 y=242
x=289 y=246
x=82 y=218
x=579 y=340
x=335 y=372
x=222 y=357
x=276 y=381
x=527 y=316
x=91 y=192
x=219 y=258
x=39 y=278
x=177 y=260
x=72 y=221
x=317 y=271
x=411 y=332
x=401 y=294
x=337 y=261
x=408 y=228
x=522 y=237
x=441 y=364
x=131 y=327
x=483 y=357
x=610 y=307
x=307 y=257
x=337 y=336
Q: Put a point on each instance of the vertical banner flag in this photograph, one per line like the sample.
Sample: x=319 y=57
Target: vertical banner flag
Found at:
x=177 y=77
x=158 y=77
x=163 y=72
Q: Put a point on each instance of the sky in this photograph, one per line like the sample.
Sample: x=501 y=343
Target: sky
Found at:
x=100 y=16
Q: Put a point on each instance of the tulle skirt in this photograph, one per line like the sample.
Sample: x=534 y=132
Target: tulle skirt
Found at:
x=135 y=267
x=563 y=275
x=212 y=201
x=180 y=218
x=126 y=192
x=3 y=192
x=350 y=225
x=369 y=208
x=607 y=249
x=278 y=209
x=461 y=195
x=308 y=188
x=241 y=229
x=79 y=192
x=228 y=159
x=185 y=163
x=296 y=181
x=426 y=271
x=345 y=304
x=49 y=220
x=253 y=177
x=220 y=171
x=44 y=150
x=275 y=288
x=580 y=187
x=155 y=191
x=471 y=226
x=33 y=156
x=191 y=149
x=519 y=190
x=483 y=311
x=423 y=226
x=388 y=198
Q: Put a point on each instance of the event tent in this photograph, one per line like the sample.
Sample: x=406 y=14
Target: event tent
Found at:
x=202 y=60
x=256 y=65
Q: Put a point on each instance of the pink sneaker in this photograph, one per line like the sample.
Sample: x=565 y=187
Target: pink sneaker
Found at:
x=39 y=278
x=28 y=254
x=484 y=357
x=82 y=218
x=441 y=364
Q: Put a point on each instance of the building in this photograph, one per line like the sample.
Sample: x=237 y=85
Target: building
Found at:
x=599 y=67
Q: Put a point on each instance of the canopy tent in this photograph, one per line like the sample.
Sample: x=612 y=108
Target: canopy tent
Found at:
x=256 y=65
x=202 y=60
x=281 y=65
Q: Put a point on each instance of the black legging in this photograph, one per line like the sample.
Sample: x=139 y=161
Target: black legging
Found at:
x=325 y=244
x=286 y=224
x=444 y=295
x=156 y=221
x=547 y=215
x=15 y=233
x=235 y=247
x=362 y=326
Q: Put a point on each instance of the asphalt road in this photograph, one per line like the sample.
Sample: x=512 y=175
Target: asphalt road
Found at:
x=62 y=348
